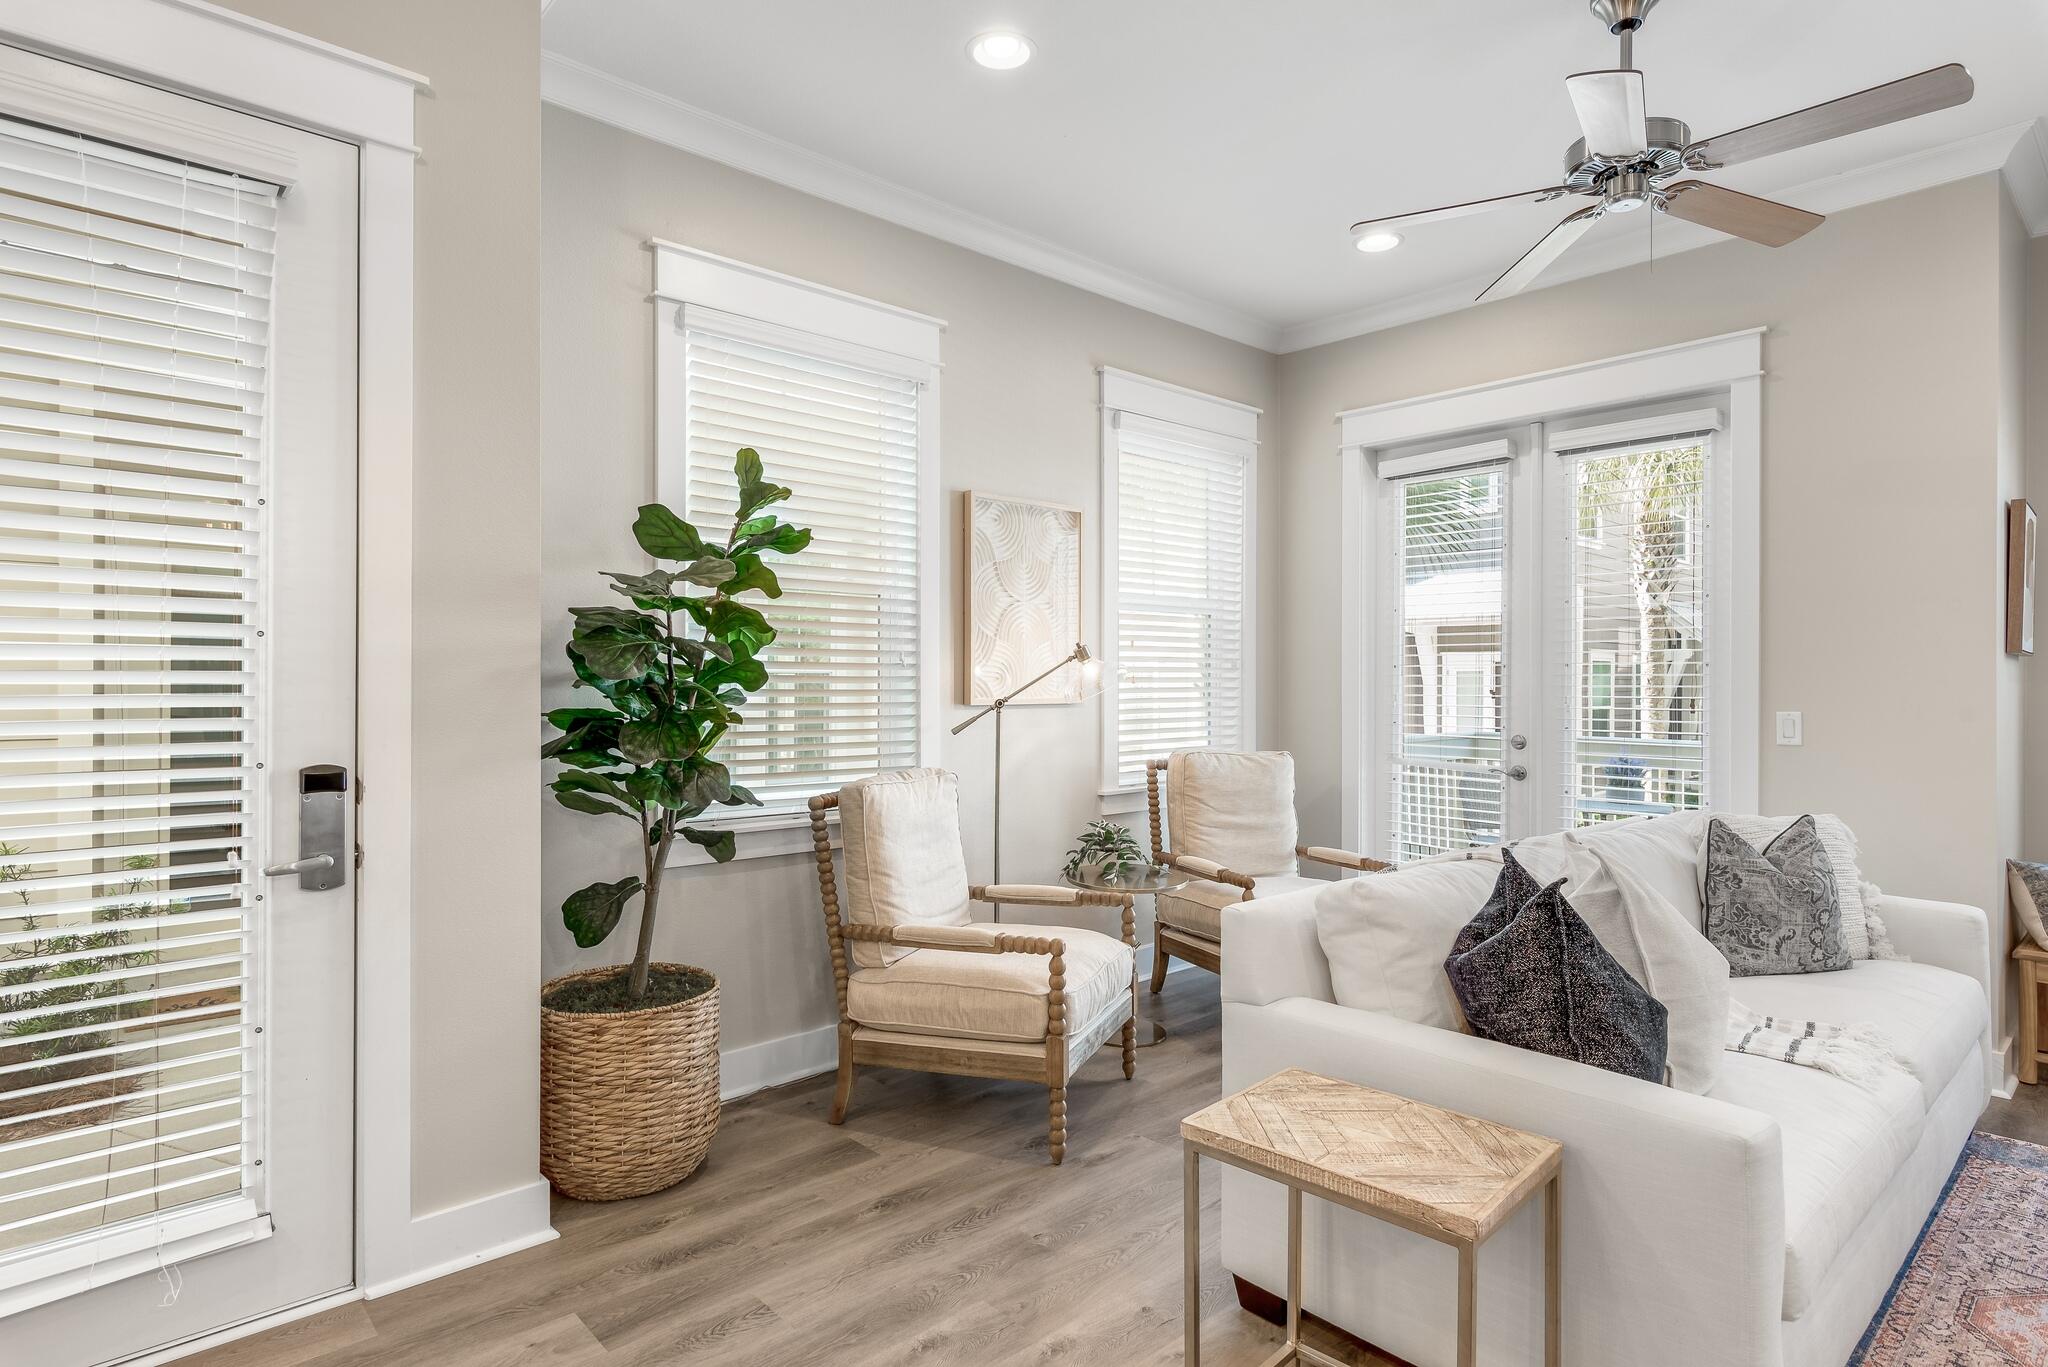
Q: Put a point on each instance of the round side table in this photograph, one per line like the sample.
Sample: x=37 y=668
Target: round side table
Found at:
x=1149 y=882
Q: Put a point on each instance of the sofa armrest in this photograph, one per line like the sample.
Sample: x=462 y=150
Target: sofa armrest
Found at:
x=1271 y=952
x=1946 y=934
x=1671 y=1200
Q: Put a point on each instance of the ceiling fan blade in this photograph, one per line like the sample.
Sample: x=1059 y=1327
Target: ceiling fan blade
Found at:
x=1554 y=244
x=1477 y=206
x=1730 y=211
x=1611 y=111
x=1941 y=88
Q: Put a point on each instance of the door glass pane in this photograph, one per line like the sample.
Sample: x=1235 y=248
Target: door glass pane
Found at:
x=1451 y=560
x=1637 y=668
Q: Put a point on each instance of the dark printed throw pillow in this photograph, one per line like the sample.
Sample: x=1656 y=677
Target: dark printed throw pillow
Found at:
x=1776 y=910
x=1511 y=890
x=1544 y=982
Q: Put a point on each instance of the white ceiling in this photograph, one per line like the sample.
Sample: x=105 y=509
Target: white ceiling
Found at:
x=1204 y=158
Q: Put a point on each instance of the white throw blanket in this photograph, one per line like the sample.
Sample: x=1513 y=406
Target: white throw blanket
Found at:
x=1855 y=1053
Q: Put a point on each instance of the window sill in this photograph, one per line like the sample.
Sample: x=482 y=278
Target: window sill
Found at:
x=41 y=1276
x=1122 y=801
x=756 y=837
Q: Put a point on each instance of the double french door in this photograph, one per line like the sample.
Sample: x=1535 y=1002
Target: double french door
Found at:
x=177 y=713
x=1546 y=629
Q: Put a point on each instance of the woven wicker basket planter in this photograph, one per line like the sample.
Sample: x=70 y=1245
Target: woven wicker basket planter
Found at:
x=628 y=1099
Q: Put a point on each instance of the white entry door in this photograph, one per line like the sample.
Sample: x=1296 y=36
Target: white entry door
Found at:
x=177 y=706
x=1548 y=622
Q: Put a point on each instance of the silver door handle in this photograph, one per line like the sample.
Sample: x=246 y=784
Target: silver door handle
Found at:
x=312 y=863
x=1517 y=772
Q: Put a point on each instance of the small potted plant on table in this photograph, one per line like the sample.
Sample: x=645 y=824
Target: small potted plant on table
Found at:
x=1107 y=854
x=629 y=1054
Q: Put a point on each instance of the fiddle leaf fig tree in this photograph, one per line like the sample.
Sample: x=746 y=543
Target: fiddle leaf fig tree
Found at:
x=672 y=671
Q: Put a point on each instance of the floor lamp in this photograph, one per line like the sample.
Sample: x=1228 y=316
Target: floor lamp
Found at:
x=1079 y=656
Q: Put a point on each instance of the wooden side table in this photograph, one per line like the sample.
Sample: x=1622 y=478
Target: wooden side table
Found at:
x=2033 y=1047
x=1449 y=1177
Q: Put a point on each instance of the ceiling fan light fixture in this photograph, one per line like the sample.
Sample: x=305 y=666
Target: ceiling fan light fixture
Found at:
x=1376 y=242
x=1000 y=50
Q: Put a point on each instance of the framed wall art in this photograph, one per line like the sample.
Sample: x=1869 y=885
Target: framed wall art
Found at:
x=1022 y=590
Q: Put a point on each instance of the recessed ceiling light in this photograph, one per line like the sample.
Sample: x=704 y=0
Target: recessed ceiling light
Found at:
x=1000 y=51
x=1378 y=242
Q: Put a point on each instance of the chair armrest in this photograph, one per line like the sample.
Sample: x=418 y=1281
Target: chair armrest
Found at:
x=1209 y=869
x=1047 y=895
x=1343 y=859
x=974 y=939
x=1946 y=934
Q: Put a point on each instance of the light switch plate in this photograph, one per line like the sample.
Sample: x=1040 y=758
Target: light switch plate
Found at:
x=1791 y=728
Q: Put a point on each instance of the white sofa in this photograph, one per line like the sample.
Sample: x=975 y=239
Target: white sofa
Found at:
x=1758 y=1225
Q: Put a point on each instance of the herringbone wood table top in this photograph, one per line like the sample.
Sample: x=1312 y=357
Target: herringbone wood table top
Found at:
x=1419 y=1163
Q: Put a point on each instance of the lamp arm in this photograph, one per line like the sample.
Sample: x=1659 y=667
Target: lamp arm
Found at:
x=1078 y=653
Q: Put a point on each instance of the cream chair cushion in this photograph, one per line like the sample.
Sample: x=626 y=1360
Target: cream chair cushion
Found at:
x=901 y=833
x=1198 y=907
x=991 y=996
x=1233 y=808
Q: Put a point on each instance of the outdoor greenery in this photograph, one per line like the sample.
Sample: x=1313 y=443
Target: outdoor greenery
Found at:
x=668 y=697
x=1111 y=848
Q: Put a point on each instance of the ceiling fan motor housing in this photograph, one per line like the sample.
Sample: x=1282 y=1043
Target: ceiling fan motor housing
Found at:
x=1622 y=16
x=1665 y=157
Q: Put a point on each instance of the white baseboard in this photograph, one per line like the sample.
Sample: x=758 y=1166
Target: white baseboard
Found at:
x=276 y=1318
x=475 y=1232
x=751 y=1067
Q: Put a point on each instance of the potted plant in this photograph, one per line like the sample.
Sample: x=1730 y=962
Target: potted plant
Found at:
x=1107 y=853
x=629 y=1054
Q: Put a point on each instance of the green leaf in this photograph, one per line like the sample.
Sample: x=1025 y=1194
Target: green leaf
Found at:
x=746 y=466
x=749 y=674
x=592 y=913
x=752 y=574
x=706 y=783
x=617 y=619
x=612 y=654
x=645 y=742
x=665 y=536
x=590 y=802
x=710 y=571
x=564 y=718
x=739 y=625
x=720 y=843
x=591 y=783
x=740 y=797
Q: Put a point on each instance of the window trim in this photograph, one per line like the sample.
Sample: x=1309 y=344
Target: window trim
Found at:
x=1232 y=428
x=1729 y=366
x=749 y=301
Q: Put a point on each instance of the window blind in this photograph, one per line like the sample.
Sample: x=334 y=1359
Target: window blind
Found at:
x=1635 y=666
x=133 y=317
x=841 y=700
x=1182 y=535
x=1450 y=571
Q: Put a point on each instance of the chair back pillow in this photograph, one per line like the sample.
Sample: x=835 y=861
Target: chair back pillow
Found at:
x=901 y=833
x=2028 y=883
x=1235 y=808
x=1386 y=935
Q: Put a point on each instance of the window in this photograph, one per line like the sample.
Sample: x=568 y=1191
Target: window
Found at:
x=1179 y=476
x=808 y=378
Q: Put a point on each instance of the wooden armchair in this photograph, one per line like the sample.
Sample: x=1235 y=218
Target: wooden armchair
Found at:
x=923 y=986
x=1232 y=818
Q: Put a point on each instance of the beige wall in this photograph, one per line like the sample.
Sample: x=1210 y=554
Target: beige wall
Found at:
x=1019 y=416
x=476 y=1072
x=1882 y=475
x=2034 y=387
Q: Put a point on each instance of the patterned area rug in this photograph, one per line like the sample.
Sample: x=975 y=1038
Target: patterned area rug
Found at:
x=1975 y=1291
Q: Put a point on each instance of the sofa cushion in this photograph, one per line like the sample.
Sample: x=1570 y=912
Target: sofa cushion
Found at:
x=1841 y=1145
x=1198 y=907
x=1931 y=1017
x=1663 y=852
x=1233 y=808
x=1861 y=930
x=1774 y=909
x=990 y=996
x=901 y=833
x=1386 y=936
x=1544 y=982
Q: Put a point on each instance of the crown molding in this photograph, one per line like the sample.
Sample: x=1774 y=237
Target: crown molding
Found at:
x=2019 y=151
x=595 y=94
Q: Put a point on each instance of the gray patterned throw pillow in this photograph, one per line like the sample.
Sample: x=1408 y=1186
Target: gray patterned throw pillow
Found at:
x=1776 y=910
x=1543 y=981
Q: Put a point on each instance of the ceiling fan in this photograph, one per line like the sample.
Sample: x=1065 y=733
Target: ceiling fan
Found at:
x=1627 y=159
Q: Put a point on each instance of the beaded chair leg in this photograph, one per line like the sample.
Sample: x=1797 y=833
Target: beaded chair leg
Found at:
x=1058 y=1112
x=1130 y=1049
x=844 y=1092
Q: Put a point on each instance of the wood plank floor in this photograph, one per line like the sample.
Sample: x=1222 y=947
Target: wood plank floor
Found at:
x=926 y=1230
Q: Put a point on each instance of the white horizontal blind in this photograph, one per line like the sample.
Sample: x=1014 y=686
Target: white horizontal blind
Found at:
x=1636 y=672
x=841 y=700
x=1450 y=575
x=134 y=306
x=1181 y=538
